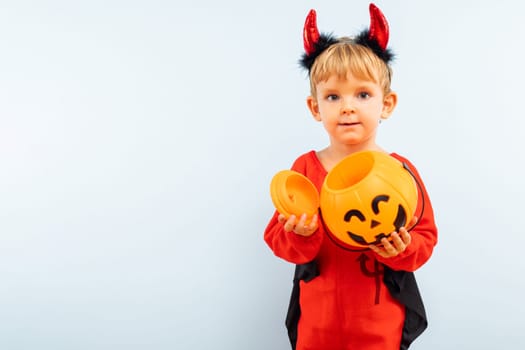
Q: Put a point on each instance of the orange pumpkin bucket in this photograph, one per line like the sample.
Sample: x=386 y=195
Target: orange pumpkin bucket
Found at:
x=293 y=193
x=366 y=197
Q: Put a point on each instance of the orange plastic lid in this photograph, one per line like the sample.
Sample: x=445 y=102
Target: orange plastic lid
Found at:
x=294 y=194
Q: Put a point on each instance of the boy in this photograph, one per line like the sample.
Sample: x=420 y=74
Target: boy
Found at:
x=345 y=299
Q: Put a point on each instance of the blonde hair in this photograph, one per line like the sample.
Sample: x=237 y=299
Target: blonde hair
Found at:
x=345 y=57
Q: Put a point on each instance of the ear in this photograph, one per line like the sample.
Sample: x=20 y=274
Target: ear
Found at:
x=389 y=104
x=313 y=106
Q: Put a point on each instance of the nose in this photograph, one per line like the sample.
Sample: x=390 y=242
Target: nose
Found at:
x=347 y=106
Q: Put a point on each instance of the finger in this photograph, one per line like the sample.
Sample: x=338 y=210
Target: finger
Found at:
x=303 y=229
x=388 y=247
x=300 y=227
x=399 y=245
x=281 y=218
x=313 y=223
x=302 y=221
x=289 y=224
x=375 y=248
x=378 y=250
x=405 y=236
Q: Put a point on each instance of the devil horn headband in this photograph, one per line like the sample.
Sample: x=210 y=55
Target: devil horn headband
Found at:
x=375 y=38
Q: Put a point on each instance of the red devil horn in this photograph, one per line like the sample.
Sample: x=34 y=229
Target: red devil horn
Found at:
x=378 y=27
x=310 y=32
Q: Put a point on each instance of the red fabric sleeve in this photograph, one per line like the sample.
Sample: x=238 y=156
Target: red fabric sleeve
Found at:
x=424 y=234
x=288 y=245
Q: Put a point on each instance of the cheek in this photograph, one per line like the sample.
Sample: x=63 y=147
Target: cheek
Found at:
x=326 y=110
x=372 y=117
x=370 y=126
x=374 y=110
x=328 y=119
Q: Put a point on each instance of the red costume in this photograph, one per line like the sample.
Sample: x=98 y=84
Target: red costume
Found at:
x=348 y=303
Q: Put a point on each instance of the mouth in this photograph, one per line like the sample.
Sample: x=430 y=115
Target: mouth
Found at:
x=349 y=124
x=361 y=240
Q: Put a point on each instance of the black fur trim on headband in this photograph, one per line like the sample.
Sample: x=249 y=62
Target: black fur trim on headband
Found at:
x=363 y=39
x=325 y=41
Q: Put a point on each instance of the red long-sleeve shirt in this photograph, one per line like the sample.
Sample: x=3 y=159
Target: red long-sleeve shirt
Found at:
x=348 y=306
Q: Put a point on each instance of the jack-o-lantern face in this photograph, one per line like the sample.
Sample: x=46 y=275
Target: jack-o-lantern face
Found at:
x=378 y=229
x=365 y=197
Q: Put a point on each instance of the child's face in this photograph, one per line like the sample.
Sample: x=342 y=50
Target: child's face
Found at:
x=350 y=109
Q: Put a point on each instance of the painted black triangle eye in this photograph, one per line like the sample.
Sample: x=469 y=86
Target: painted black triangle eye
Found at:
x=376 y=200
x=354 y=212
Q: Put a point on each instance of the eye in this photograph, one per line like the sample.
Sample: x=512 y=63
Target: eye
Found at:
x=377 y=200
x=354 y=212
x=332 y=97
x=363 y=95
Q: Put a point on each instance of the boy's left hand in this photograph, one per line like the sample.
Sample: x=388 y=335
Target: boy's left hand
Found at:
x=387 y=249
x=398 y=244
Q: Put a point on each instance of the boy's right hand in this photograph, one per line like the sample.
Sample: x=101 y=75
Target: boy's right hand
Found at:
x=299 y=226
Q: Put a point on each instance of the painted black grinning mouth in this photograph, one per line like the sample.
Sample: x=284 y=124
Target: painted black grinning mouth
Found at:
x=361 y=240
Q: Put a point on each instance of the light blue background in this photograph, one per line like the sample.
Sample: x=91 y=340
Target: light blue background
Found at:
x=138 y=140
